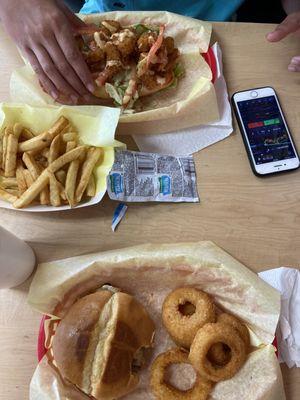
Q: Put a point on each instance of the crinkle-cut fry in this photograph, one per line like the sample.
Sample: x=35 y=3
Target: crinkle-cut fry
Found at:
x=35 y=171
x=9 y=183
x=70 y=136
x=33 y=191
x=28 y=178
x=20 y=177
x=91 y=160
x=71 y=179
x=26 y=134
x=8 y=130
x=70 y=145
x=91 y=187
x=35 y=144
x=54 y=149
x=11 y=155
x=55 y=200
x=17 y=129
x=66 y=158
x=10 y=198
x=61 y=176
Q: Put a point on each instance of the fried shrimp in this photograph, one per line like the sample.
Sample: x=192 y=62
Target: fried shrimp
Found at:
x=146 y=40
x=164 y=390
x=113 y=51
x=184 y=311
x=113 y=63
x=168 y=42
x=111 y=26
x=94 y=56
x=125 y=40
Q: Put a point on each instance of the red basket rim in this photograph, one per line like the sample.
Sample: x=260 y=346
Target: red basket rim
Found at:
x=210 y=58
x=41 y=349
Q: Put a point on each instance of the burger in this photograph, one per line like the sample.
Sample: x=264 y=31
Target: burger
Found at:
x=98 y=345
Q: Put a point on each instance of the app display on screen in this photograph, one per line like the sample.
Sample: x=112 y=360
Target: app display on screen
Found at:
x=265 y=129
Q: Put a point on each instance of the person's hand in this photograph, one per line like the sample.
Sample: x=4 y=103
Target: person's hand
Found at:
x=44 y=31
x=291 y=24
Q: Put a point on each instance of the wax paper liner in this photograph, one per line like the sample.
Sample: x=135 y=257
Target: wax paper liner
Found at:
x=149 y=272
x=95 y=126
x=192 y=103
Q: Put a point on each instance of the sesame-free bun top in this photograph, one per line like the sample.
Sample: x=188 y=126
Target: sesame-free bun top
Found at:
x=96 y=344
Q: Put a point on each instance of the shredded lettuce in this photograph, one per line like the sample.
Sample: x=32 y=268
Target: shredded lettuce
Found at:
x=173 y=84
x=178 y=70
x=115 y=93
x=140 y=29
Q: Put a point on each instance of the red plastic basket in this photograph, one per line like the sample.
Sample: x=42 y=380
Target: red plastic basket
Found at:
x=210 y=58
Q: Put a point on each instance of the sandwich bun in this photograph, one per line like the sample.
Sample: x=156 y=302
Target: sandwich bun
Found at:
x=142 y=90
x=97 y=344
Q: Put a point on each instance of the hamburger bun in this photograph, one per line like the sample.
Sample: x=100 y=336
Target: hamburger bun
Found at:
x=97 y=343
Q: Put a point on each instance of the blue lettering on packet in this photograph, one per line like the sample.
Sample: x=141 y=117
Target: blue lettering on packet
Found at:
x=116 y=183
x=165 y=184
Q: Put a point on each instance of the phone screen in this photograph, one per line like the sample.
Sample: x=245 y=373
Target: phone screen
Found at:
x=266 y=130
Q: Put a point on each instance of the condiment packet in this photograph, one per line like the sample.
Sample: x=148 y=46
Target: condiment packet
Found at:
x=287 y=282
x=141 y=177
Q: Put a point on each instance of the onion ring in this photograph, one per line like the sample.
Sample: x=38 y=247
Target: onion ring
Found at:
x=220 y=354
x=237 y=325
x=206 y=337
x=184 y=311
x=164 y=391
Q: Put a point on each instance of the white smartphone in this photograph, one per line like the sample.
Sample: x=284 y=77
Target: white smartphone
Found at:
x=266 y=135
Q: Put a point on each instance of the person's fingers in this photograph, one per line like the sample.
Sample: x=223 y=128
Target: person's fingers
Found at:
x=93 y=100
x=73 y=19
x=45 y=82
x=294 y=65
x=69 y=48
x=53 y=74
x=289 y=25
x=66 y=70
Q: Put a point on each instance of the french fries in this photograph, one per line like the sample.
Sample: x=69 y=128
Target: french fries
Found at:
x=21 y=178
x=54 y=149
x=10 y=198
x=91 y=187
x=52 y=166
x=55 y=199
x=26 y=134
x=92 y=158
x=69 y=136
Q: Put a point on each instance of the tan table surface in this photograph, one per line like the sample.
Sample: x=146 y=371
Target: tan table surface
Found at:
x=256 y=220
